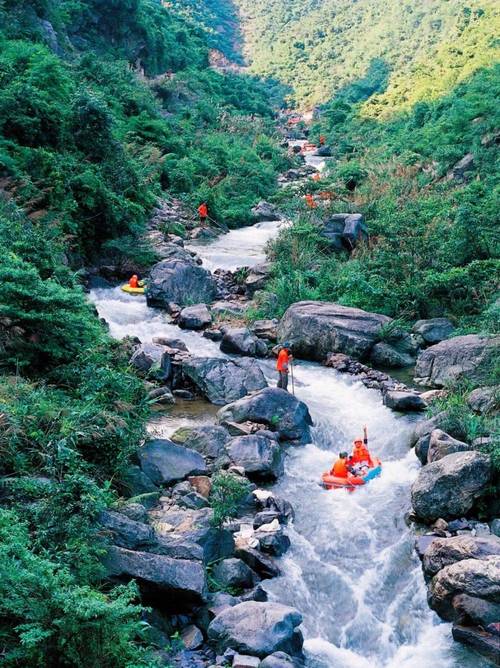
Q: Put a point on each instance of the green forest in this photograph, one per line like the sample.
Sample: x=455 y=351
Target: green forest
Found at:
x=108 y=105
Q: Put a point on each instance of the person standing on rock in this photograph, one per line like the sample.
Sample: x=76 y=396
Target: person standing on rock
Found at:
x=283 y=365
x=203 y=213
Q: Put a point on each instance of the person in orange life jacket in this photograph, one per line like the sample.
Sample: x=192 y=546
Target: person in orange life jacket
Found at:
x=282 y=365
x=134 y=281
x=310 y=201
x=203 y=212
x=360 y=452
x=322 y=140
x=341 y=468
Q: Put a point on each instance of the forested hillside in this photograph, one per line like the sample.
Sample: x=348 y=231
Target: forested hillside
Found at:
x=104 y=107
x=408 y=48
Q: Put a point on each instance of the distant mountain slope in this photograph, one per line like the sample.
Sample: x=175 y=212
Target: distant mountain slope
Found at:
x=319 y=46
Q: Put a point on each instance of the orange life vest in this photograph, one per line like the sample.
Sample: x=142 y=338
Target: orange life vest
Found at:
x=340 y=468
x=283 y=359
x=134 y=282
x=361 y=454
x=203 y=210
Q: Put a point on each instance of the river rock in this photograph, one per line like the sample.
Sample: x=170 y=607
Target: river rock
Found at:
x=264 y=211
x=234 y=573
x=266 y=329
x=261 y=457
x=280 y=411
x=245 y=661
x=241 y=341
x=177 y=580
x=461 y=358
x=449 y=487
x=223 y=380
x=315 y=329
x=171 y=342
x=209 y=440
x=442 y=444
x=480 y=640
x=385 y=355
x=474 y=577
x=471 y=610
x=433 y=330
x=258 y=629
x=257 y=277
x=275 y=544
x=279 y=660
x=484 y=400
x=195 y=317
x=446 y=551
x=258 y=562
x=403 y=401
x=125 y=532
x=181 y=282
x=192 y=637
x=165 y=462
x=134 y=482
x=229 y=308
x=151 y=357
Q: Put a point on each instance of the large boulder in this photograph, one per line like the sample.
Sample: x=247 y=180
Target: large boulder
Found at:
x=264 y=211
x=162 y=578
x=484 y=400
x=479 y=578
x=462 y=358
x=151 y=358
x=257 y=277
x=433 y=330
x=223 y=380
x=266 y=329
x=260 y=456
x=209 y=440
x=485 y=642
x=126 y=532
x=449 y=487
x=241 y=341
x=180 y=282
x=234 y=573
x=389 y=357
x=402 y=400
x=442 y=444
x=280 y=411
x=258 y=629
x=443 y=552
x=165 y=462
x=315 y=329
x=195 y=317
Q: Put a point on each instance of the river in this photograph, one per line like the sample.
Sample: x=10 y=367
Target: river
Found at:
x=351 y=571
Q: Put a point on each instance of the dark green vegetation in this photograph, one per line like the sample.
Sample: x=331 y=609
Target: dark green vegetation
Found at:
x=103 y=107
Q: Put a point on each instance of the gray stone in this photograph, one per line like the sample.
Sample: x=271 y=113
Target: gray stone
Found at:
x=233 y=573
x=275 y=543
x=480 y=640
x=135 y=482
x=229 y=308
x=266 y=329
x=165 y=462
x=159 y=576
x=280 y=411
x=422 y=544
x=265 y=517
x=151 y=358
x=472 y=610
x=261 y=457
x=484 y=400
x=495 y=526
x=245 y=661
x=449 y=487
x=433 y=330
x=195 y=317
x=459 y=171
x=134 y=511
x=442 y=444
x=446 y=551
x=179 y=281
x=461 y=358
x=223 y=380
x=261 y=564
x=315 y=329
x=161 y=395
x=125 y=532
x=192 y=637
x=474 y=577
x=257 y=277
x=258 y=629
x=264 y=211
x=209 y=440
x=404 y=401
x=279 y=660
x=389 y=357
x=241 y=341
x=171 y=342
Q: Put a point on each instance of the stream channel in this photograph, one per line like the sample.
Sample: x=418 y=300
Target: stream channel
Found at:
x=351 y=571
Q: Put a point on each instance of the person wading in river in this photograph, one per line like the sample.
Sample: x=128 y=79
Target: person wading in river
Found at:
x=282 y=365
x=203 y=213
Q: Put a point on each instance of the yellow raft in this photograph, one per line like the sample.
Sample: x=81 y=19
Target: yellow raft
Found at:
x=132 y=291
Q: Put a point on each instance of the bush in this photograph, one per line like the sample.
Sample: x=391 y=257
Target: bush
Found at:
x=226 y=496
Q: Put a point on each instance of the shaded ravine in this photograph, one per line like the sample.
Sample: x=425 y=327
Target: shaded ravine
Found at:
x=351 y=571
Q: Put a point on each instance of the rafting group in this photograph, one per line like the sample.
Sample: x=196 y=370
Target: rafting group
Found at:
x=358 y=468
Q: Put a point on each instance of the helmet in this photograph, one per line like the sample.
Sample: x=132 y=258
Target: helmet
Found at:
x=358 y=441
x=286 y=344
x=343 y=455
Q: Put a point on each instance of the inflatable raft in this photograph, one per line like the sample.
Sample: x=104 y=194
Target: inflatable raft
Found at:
x=132 y=291
x=334 y=482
